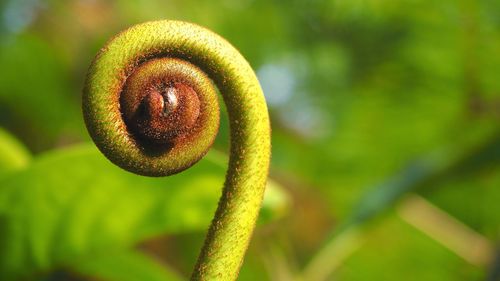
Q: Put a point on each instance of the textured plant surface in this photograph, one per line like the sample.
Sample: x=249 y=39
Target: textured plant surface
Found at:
x=151 y=109
x=385 y=137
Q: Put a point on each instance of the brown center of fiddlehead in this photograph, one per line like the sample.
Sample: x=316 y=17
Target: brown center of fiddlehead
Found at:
x=158 y=108
x=167 y=110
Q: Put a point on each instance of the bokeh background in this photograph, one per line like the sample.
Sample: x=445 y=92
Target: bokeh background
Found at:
x=386 y=144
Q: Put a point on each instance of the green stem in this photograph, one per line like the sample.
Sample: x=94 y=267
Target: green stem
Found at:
x=234 y=221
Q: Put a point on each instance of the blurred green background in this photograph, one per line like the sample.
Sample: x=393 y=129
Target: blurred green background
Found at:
x=386 y=144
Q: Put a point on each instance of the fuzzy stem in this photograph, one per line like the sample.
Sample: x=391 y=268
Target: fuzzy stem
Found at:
x=234 y=221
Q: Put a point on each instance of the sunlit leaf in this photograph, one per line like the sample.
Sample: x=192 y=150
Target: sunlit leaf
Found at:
x=74 y=203
x=13 y=155
x=126 y=266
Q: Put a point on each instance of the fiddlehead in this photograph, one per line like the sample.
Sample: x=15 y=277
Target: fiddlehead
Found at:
x=150 y=107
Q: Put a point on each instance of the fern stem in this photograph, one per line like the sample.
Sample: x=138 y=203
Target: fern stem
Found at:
x=234 y=221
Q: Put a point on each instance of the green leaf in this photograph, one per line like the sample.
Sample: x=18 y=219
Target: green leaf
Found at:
x=394 y=250
x=126 y=266
x=74 y=204
x=13 y=155
x=34 y=92
x=473 y=199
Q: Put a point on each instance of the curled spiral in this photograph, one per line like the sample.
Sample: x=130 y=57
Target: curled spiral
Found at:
x=151 y=108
